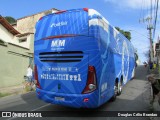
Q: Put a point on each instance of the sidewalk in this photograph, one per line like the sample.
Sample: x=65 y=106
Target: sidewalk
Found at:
x=13 y=90
x=18 y=89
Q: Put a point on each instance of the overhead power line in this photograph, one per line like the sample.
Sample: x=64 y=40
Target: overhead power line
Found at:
x=155 y=20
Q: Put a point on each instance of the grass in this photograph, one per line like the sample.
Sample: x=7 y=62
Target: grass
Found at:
x=20 y=90
x=4 y=94
x=28 y=88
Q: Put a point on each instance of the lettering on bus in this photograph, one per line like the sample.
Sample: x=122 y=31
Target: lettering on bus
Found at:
x=60 y=69
x=59 y=24
x=61 y=77
x=58 y=43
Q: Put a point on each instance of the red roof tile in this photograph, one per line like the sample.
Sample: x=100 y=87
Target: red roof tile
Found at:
x=9 y=27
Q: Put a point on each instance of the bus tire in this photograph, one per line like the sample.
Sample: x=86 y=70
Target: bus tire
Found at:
x=119 y=89
x=113 y=98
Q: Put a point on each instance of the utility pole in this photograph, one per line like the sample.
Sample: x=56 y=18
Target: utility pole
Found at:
x=149 y=28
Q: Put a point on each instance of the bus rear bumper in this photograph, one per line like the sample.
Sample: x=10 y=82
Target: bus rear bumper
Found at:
x=72 y=100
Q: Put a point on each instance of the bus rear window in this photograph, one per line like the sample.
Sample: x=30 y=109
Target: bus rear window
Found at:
x=69 y=22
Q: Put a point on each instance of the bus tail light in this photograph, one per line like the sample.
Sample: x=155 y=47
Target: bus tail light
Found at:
x=60 y=36
x=91 y=81
x=85 y=99
x=36 y=77
x=40 y=18
x=59 y=12
x=85 y=9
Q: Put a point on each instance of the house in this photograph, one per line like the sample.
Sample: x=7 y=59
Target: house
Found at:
x=16 y=46
x=14 y=54
x=27 y=24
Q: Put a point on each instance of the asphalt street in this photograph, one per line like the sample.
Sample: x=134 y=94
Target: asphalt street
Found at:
x=135 y=97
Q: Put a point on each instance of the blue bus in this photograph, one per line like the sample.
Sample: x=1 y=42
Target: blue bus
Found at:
x=80 y=59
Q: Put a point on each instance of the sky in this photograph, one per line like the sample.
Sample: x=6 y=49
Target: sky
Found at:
x=125 y=14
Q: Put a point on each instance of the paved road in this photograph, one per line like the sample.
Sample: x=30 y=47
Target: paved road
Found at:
x=135 y=97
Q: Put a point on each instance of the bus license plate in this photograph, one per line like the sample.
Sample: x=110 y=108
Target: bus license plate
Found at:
x=59 y=98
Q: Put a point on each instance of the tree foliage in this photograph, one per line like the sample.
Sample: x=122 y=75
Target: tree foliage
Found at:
x=11 y=20
x=127 y=34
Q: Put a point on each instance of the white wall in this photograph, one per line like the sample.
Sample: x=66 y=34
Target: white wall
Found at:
x=23 y=44
x=5 y=35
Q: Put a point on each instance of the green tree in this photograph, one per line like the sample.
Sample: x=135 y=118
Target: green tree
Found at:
x=127 y=34
x=11 y=20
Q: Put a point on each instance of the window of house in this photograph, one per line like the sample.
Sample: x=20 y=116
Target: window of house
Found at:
x=22 y=40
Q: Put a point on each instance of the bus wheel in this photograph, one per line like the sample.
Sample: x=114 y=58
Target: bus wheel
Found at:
x=119 y=90
x=113 y=98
